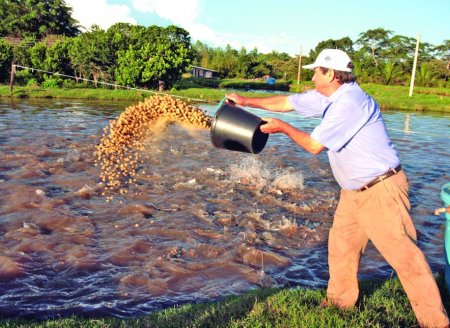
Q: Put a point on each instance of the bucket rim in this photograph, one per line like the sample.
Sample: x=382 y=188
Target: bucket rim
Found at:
x=212 y=129
x=445 y=193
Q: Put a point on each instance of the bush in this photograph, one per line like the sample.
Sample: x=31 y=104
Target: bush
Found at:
x=52 y=82
x=68 y=83
x=32 y=82
x=23 y=76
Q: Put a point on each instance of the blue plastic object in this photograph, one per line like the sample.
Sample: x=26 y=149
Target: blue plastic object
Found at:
x=271 y=81
x=445 y=196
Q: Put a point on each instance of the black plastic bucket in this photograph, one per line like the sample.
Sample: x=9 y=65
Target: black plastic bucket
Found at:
x=236 y=129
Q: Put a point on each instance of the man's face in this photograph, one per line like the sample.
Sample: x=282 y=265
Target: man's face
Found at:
x=321 y=81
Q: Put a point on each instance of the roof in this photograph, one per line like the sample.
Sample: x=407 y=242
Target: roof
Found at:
x=204 y=68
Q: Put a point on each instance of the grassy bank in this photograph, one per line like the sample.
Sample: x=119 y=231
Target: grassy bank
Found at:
x=382 y=304
x=389 y=97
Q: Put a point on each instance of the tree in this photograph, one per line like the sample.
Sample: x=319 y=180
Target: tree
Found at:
x=345 y=44
x=400 y=48
x=439 y=72
x=36 y=18
x=57 y=58
x=162 y=55
x=389 y=72
x=203 y=55
x=6 y=58
x=374 y=41
x=38 y=54
x=443 y=51
x=119 y=37
x=424 y=78
x=90 y=54
x=281 y=65
x=129 y=67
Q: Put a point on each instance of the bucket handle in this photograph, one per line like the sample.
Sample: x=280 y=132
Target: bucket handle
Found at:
x=225 y=99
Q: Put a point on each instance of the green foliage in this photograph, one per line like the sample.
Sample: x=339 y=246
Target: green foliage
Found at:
x=52 y=82
x=57 y=58
x=6 y=58
x=22 y=52
x=47 y=58
x=120 y=37
x=373 y=43
x=282 y=66
x=22 y=77
x=90 y=54
x=36 y=18
x=32 y=82
x=389 y=72
x=163 y=55
x=424 y=77
x=38 y=54
x=345 y=44
x=129 y=70
x=374 y=55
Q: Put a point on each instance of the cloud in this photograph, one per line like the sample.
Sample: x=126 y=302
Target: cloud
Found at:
x=183 y=13
x=99 y=12
x=187 y=13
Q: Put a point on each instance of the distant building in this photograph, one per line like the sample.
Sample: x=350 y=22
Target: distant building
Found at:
x=198 y=71
x=49 y=40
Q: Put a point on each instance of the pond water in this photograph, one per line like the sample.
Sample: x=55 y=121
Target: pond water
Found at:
x=201 y=223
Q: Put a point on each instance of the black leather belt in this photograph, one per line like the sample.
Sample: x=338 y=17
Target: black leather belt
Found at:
x=388 y=174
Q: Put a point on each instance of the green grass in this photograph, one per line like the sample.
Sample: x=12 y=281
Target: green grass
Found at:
x=381 y=304
x=72 y=93
x=257 y=84
x=397 y=98
x=389 y=97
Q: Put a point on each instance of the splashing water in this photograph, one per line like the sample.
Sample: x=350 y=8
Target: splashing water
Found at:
x=253 y=171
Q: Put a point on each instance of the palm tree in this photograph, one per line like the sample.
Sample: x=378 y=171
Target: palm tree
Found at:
x=389 y=72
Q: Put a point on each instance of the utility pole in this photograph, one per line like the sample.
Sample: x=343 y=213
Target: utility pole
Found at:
x=413 y=75
x=299 y=73
x=11 y=79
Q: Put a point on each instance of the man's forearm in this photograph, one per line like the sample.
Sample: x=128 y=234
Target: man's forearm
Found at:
x=303 y=139
x=273 y=103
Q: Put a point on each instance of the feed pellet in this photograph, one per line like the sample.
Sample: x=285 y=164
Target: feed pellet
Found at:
x=119 y=150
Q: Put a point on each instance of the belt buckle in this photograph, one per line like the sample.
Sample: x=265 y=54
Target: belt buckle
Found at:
x=380 y=178
x=363 y=188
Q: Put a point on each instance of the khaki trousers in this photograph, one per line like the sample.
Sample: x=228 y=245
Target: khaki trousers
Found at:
x=381 y=214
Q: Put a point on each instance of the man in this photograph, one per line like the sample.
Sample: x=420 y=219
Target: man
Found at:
x=374 y=200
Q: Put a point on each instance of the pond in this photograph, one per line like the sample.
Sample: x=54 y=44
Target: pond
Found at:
x=200 y=223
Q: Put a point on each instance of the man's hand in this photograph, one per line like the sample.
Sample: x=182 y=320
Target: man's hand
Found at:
x=301 y=138
x=237 y=99
x=273 y=125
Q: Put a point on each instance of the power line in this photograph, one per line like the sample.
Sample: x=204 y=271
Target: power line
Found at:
x=108 y=83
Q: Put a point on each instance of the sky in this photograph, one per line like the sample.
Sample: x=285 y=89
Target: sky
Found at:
x=291 y=26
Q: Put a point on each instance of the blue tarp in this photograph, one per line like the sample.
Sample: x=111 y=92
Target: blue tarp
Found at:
x=271 y=81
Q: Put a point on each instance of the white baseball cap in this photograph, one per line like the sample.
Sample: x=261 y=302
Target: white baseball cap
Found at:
x=332 y=58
